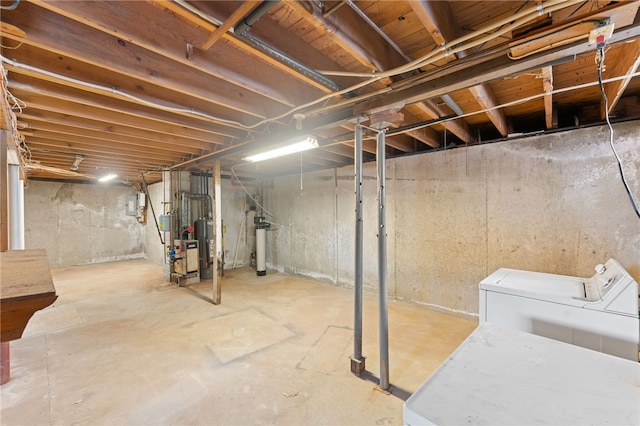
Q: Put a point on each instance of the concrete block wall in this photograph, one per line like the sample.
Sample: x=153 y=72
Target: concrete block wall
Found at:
x=551 y=203
x=80 y=224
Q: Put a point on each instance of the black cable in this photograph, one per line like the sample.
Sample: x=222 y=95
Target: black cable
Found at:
x=600 y=60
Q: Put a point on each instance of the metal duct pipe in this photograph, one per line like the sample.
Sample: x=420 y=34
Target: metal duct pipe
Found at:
x=382 y=263
x=289 y=61
x=254 y=16
x=241 y=31
x=357 y=360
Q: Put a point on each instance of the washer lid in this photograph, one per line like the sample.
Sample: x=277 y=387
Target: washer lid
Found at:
x=538 y=285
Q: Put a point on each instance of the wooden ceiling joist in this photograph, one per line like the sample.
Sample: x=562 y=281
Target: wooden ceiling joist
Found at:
x=547 y=87
x=352 y=33
x=625 y=64
x=40 y=128
x=488 y=70
x=171 y=43
x=127 y=60
x=441 y=24
x=207 y=28
x=460 y=128
x=63 y=112
x=76 y=74
x=230 y=22
x=93 y=158
x=154 y=84
x=113 y=132
x=158 y=119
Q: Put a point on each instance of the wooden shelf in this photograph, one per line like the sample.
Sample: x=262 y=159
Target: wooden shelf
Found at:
x=26 y=286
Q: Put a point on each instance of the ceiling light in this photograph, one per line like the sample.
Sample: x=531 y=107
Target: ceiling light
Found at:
x=298 y=117
x=108 y=177
x=291 y=148
x=76 y=163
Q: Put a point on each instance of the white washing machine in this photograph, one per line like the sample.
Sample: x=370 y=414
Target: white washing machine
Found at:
x=599 y=313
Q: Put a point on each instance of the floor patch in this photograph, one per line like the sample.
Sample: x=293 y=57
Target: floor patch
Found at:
x=236 y=335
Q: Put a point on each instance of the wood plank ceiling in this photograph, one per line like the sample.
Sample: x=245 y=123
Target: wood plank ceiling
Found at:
x=137 y=87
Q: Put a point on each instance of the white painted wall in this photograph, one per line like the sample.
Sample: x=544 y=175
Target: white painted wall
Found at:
x=551 y=203
x=80 y=224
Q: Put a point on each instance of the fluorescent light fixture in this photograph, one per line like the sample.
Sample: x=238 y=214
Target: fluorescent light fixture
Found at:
x=108 y=177
x=299 y=146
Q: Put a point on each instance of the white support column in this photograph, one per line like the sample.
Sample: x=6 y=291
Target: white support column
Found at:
x=217 y=233
x=5 y=350
x=167 y=207
x=16 y=208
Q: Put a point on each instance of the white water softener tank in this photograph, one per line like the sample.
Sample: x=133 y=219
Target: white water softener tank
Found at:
x=261 y=245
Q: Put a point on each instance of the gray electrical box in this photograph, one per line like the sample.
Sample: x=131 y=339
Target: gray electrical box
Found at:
x=164 y=222
x=131 y=209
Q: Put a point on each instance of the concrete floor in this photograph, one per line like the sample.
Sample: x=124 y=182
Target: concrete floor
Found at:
x=121 y=346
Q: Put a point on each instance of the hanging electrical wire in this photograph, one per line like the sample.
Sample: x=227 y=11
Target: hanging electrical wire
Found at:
x=600 y=54
x=233 y=172
x=10 y=104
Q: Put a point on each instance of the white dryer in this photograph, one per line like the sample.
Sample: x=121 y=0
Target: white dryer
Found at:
x=599 y=313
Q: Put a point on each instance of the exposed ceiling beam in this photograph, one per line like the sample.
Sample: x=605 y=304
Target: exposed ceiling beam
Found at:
x=487 y=100
x=125 y=60
x=203 y=25
x=189 y=126
x=369 y=48
x=547 y=87
x=353 y=34
x=425 y=135
x=441 y=24
x=462 y=75
x=41 y=128
x=626 y=63
x=152 y=139
x=170 y=40
x=230 y=22
x=91 y=150
x=73 y=111
x=460 y=128
x=73 y=73
x=271 y=32
x=437 y=18
x=340 y=149
x=328 y=155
